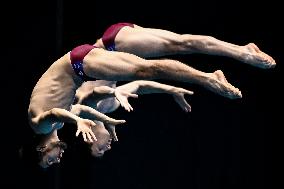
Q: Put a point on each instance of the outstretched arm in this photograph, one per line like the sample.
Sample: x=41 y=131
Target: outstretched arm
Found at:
x=148 y=87
x=45 y=123
x=90 y=113
x=95 y=95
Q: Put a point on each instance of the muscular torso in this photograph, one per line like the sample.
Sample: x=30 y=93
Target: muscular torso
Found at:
x=55 y=89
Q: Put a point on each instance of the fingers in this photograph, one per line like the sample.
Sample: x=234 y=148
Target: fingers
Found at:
x=78 y=132
x=187 y=107
x=189 y=92
x=132 y=95
x=126 y=106
x=94 y=136
x=186 y=91
x=89 y=137
x=92 y=123
x=84 y=136
x=115 y=122
x=115 y=139
x=122 y=97
x=113 y=134
x=90 y=133
x=129 y=107
x=127 y=94
x=120 y=121
x=183 y=103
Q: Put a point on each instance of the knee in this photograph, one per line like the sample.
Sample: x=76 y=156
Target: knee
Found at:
x=196 y=42
x=184 y=43
x=208 y=40
x=177 y=44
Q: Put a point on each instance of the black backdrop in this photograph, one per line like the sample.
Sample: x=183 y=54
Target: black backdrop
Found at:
x=221 y=144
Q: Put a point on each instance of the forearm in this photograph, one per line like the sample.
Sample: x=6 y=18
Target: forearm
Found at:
x=48 y=120
x=102 y=92
x=146 y=87
x=90 y=113
x=62 y=115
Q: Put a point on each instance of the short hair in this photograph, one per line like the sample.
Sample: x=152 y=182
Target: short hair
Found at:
x=42 y=150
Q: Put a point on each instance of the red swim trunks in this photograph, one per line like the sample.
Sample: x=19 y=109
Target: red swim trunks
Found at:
x=110 y=34
x=77 y=55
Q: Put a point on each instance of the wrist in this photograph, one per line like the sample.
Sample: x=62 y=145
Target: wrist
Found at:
x=78 y=119
x=171 y=90
x=103 y=92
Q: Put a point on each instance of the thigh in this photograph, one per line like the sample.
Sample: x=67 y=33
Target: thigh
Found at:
x=114 y=65
x=147 y=42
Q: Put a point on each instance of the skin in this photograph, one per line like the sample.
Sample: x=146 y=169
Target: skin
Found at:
x=52 y=155
x=103 y=144
x=137 y=41
x=53 y=94
x=105 y=97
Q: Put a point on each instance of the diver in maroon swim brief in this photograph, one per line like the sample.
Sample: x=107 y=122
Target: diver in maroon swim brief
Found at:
x=110 y=34
x=77 y=55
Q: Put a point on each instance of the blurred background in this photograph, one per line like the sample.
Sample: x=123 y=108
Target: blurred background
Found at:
x=221 y=144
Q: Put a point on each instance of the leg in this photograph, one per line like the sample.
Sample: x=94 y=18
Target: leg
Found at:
x=148 y=42
x=120 y=66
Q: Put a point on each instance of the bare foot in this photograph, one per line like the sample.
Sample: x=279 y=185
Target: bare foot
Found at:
x=255 y=57
x=219 y=84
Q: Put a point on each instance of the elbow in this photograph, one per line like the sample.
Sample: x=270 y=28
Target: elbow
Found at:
x=76 y=110
x=138 y=83
x=54 y=113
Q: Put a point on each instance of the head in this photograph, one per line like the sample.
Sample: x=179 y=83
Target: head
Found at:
x=51 y=153
x=103 y=143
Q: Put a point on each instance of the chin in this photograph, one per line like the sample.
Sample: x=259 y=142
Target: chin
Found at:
x=97 y=155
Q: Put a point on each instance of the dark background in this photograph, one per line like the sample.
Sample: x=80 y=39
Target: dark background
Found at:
x=221 y=144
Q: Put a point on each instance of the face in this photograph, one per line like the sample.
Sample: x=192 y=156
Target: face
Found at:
x=52 y=155
x=103 y=143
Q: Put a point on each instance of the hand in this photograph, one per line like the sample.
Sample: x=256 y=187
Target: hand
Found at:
x=84 y=126
x=178 y=95
x=122 y=97
x=114 y=122
x=110 y=126
x=111 y=130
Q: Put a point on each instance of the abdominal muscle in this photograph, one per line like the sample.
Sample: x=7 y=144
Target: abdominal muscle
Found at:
x=55 y=89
